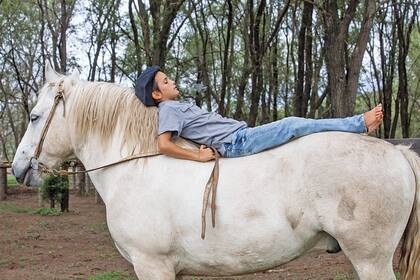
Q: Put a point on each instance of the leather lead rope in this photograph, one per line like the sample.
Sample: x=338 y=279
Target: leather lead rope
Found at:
x=63 y=172
x=211 y=186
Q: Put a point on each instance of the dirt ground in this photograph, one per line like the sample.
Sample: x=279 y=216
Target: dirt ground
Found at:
x=77 y=245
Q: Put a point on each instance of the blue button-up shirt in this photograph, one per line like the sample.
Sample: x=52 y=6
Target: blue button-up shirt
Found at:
x=191 y=122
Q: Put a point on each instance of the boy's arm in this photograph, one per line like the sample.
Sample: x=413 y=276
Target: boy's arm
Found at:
x=167 y=147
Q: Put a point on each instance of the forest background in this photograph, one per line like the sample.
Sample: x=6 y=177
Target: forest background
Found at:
x=253 y=60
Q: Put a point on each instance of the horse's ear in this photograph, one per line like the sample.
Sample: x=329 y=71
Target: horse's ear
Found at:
x=50 y=74
x=75 y=74
x=74 y=77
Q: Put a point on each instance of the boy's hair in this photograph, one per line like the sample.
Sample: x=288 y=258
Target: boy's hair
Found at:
x=155 y=86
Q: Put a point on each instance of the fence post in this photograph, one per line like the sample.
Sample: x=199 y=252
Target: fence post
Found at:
x=3 y=181
x=72 y=177
x=80 y=179
x=88 y=184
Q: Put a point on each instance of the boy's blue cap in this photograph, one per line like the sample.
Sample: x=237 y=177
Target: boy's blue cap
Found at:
x=144 y=85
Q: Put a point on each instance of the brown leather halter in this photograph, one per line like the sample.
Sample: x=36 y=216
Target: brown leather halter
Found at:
x=211 y=185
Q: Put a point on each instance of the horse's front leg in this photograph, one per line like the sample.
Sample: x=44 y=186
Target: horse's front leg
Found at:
x=154 y=268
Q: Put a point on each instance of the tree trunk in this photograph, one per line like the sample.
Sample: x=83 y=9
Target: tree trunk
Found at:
x=80 y=180
x=3 y=180
x=403 y=47
x=343 y=84
x=226 y=66
x=275 y=74
x=304 y=76
x=256 y=59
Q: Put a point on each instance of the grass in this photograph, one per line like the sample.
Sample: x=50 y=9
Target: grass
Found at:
x=342 y=276
x=5 y=262
x=11 y=181
x=47 y=212
x=6 y=207
x=115 y=275
x=98 y=228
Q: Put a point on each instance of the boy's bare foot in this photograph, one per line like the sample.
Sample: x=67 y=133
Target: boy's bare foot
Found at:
x=373 y=118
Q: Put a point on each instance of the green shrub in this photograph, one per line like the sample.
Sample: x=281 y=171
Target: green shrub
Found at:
x=56 y=189
x=54 y=186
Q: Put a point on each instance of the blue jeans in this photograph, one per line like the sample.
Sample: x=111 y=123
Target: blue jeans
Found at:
x=251 y=140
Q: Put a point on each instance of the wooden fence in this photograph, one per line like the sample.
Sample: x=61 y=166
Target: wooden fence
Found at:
x=83 y=184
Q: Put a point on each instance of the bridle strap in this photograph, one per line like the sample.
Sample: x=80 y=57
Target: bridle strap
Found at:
x=57 y=99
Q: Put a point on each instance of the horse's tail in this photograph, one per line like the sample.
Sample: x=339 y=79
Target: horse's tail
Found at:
x=410 y=250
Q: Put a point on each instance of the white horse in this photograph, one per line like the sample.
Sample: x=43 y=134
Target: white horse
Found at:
x=271 y=207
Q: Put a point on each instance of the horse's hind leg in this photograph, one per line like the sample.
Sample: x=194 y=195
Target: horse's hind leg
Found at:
x=371 y=260
x=374 y=268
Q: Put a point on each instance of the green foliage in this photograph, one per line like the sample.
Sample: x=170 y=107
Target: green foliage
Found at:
x=11 y=181
x=111 y=276
x=53 y=187
x=6 y=207
x=413 y=76
x=47 y=212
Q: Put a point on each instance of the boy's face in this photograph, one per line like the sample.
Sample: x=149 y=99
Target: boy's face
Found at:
x=167 y=88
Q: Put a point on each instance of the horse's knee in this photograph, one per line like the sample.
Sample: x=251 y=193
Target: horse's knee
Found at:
x=151 y=268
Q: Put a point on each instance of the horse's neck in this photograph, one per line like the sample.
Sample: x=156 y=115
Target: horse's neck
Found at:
x=94 y=154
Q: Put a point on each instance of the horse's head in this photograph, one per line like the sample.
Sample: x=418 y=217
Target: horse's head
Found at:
x=57 y=144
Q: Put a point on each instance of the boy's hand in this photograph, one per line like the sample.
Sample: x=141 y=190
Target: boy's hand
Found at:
x=205 y=154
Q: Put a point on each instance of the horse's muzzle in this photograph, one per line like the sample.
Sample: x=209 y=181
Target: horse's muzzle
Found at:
x=21 y=174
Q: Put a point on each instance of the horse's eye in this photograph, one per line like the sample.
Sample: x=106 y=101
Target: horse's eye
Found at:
x=34 y=117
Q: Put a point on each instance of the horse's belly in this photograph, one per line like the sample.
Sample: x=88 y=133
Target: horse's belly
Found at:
x=244 y=253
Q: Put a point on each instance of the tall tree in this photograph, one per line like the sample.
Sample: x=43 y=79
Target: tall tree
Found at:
x=384 y=74
x=156 y=21
x=404 y=10
x=343 y=65
x=58 y=22
x=259 y=42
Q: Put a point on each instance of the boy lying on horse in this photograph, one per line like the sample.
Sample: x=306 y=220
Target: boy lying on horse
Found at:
x=231 y=138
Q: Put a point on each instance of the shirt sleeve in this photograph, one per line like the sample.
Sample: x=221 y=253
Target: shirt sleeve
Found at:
x=170 y=120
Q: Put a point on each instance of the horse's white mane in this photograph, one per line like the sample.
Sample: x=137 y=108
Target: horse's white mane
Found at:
x=100 y=108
